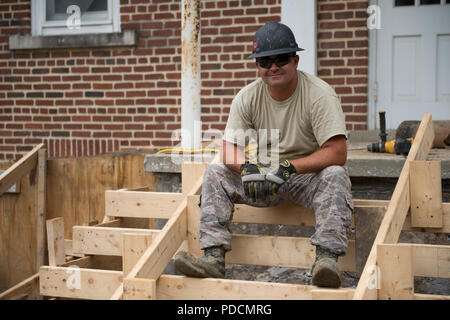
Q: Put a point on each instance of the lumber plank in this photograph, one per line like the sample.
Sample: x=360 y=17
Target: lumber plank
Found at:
x=41 y=207
x=102 y=240
x=191 y=172
x=431 y=260
x=68 y=249
x=118 y=294
x=19 y=169
x=330 y=294
x=293 y=214
x=445 y=222
x=22 y=289
x=421 y=296
x=193 y=226
x=78 y=283
x=156 y=257
x=396 y=270
x=185 y=288
x=55 y=241
x=287 y=214
x=134 y=246
x=426 y=194
x=138 y=204
x=281 y=251
x=139 y=289
x=398 y=208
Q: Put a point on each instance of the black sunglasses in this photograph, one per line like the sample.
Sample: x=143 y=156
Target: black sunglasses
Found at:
x=279 y=61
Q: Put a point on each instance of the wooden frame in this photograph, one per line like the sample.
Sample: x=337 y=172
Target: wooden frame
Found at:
x=147 y=252
x=33 y=163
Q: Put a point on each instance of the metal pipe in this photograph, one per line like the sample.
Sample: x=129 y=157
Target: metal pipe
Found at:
x=190 y=75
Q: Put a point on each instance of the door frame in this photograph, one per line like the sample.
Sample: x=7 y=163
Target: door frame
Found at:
x=372 y=91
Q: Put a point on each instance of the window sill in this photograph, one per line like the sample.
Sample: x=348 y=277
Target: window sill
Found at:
x=21 y=42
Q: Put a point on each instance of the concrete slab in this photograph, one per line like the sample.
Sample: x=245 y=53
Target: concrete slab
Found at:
x=171 y=163
x=360 y=163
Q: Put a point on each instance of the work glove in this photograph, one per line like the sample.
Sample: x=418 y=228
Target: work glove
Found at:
x=253 y=181
x=276 y=178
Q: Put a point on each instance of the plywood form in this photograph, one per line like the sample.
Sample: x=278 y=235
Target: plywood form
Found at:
x=92 y=176
x=20 y=220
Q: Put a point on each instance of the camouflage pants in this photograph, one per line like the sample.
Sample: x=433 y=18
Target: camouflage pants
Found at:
x=327 y=193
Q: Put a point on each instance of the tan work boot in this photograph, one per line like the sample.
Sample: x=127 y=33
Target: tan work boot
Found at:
x=211 y=265
x=325 y=271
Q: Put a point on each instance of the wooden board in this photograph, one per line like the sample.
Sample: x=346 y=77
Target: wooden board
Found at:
x=426 y=194
x=281 y=251
x=445 y=222
x=41 y=212
x=141 y=204
x=55 y=241
x=19 y=169
x=170 y=287
x=134 y=246
x=22 y=290
x=396 y=272
x=102 y=240
x=18 y=234
x=191 y=172
x=139 y=289
x=431 y=260
x=79 y=283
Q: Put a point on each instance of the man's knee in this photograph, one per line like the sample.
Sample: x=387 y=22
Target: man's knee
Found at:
x=216 y=169
x=332 y=171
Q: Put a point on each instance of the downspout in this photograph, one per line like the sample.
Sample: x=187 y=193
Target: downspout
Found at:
x=190 y=75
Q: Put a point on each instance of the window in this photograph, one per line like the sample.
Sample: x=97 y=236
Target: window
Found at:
x=65 y=17
x=401 y=3
x=425 y=2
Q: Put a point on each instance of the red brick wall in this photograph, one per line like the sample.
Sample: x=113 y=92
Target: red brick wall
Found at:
x=343 y=55
x=88 y=101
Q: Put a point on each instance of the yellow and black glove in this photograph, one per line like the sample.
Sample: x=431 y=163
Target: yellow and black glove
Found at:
x=277 y=177
x=253 y=181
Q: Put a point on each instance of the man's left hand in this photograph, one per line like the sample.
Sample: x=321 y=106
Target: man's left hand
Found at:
x=277 y=177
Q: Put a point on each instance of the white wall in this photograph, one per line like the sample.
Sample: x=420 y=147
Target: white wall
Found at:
x=301 y=17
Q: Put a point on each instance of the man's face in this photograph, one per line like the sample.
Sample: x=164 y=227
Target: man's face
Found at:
x=277 y=75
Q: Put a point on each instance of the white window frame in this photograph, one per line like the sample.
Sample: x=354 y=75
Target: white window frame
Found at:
x=41 y=27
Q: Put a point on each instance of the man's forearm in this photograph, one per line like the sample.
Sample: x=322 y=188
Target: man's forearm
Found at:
x=315 y=162
x=333 y=152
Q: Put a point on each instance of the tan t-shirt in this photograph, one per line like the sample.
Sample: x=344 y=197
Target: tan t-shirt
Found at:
x=305 y=121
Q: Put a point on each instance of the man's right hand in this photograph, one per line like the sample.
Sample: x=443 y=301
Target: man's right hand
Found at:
x=253 y=181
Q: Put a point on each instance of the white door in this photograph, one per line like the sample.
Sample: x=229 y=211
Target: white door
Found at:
x=413 y=60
